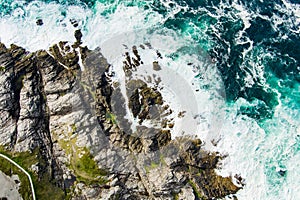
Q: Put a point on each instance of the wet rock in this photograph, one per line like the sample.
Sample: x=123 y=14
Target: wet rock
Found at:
x=156 y=66
x=134 y=103
x=282 y=172
x=158 y=54
x=74 y=23
x=78 y=36
x=39 y=22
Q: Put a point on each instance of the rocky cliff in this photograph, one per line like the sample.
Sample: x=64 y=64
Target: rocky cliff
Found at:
x=62 y=106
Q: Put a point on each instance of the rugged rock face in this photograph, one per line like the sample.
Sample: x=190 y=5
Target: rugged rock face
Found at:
x=63 y=103
x=24 y=112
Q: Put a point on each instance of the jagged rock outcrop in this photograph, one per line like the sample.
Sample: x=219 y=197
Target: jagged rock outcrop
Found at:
x=24 y=112
x=64 y=103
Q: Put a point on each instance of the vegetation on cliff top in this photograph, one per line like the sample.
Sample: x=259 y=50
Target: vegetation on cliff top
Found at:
x=81 y=161
x=45 y=188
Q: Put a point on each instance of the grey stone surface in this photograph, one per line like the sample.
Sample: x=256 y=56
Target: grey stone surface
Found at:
x=9 y=188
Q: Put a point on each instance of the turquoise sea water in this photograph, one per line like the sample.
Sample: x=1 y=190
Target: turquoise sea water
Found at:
x=253 y=44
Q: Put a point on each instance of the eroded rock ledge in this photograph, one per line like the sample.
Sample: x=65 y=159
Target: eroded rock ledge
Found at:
x=62 y=106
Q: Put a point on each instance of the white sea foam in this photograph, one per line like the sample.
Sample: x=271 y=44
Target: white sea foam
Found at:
x=243 y=14
x=292 y=10
x=22 y=30
x=258 y=155
x=20 y=27
x=179 y=87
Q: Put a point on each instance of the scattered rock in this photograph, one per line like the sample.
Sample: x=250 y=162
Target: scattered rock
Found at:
x=134 y=103
x=78 y=35
x=156 y=66
x=282 y=172
x=158 y=54
x=74 y=23
x=39 y=22
x=181 y=114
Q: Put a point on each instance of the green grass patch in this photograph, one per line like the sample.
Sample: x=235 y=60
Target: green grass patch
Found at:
x=175 y=196
x=111 y=117
x=87 y=170
x=47 y=190
x=153 y=165
x=44 y=188
x=196 y=191
x=82 y=162
x=87 y=164
x=74 y=128
x=89 y=89
x=162 y=159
